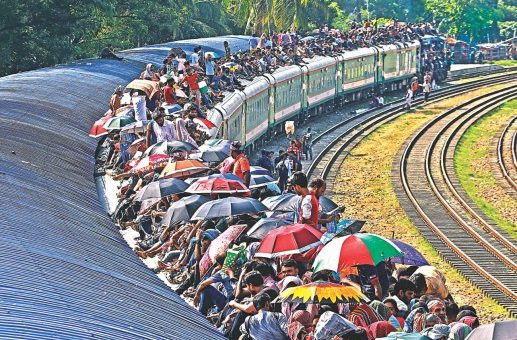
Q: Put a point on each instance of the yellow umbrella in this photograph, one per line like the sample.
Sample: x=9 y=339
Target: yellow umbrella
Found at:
x=322 y=292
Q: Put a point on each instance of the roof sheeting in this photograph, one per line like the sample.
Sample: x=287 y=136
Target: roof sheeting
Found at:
x=66 y=270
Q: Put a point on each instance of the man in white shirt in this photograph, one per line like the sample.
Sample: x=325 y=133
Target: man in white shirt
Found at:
x=164 y=130
x=139 y=107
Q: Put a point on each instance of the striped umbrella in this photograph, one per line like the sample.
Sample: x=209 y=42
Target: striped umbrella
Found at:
x=354 y=250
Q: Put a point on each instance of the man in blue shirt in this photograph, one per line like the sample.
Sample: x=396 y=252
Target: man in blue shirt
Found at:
x=253 y=42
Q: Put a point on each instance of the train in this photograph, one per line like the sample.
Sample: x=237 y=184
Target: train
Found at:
x=296 y=93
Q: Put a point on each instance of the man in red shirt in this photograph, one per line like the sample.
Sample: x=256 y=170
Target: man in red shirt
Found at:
x=309 y=206
x=294 y=148
x=168 y=92
x=241 y=166
x=191 y=80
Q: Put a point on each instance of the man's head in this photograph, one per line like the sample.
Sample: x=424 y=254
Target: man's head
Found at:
x=318 y=186
x=158 y=117
x=209 y=56
x=254 y=281
x=451 y=312
x=392 y=306
x=262 y=301
x=299 y=182
x=420 y=284
x=404 y=290
x=290 y=268
x=235 y=148
x=437 y=307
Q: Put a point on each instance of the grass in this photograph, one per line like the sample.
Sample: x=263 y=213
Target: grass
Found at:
x=474 y=168
x=364 y=186
x=503 y=63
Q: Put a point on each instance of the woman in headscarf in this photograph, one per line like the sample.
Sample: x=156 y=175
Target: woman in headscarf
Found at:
x=148 y=72
x=182 y=132
x=459 y=331
x=471 y=321
x=363 y=315
x=381 y=329
x=385 y=312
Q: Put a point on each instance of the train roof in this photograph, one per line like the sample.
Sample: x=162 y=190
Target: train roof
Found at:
x=67 y=271
x=359 y=53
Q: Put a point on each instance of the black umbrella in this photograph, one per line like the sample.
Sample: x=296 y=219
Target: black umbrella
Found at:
x=213 y=155
x=264 y=226
x=169 y=147
x=284 y=202
x=260 y=180
x=183 y=209
x=229 y=207
x=327 y=204
x=162 y=188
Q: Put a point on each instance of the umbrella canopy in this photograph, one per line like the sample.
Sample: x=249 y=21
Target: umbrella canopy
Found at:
x=354 y=250
x=171 y=109
x=169 y=147
x=409 y=256
x=183 y=168
x=287 y=240
x=126 y=110
x=218 y=186
x=213 y=155
x=229 y=206
x=217 y=144
x=346 y=227
x=149 y=163
x=499 y=330
x=162 y=188
x=327 y=204
x=183 y=209
x=260 y=180
x=226 y=176
x=98 y=128
x=136 y=127
x=223 y=241
x=264 y=226
x=258 y=170
x=284 y=202
x=118 y=122
x=322 y=292
x=205 y=124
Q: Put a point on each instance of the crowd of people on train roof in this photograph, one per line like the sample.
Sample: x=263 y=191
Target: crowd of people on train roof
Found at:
x=246 y=245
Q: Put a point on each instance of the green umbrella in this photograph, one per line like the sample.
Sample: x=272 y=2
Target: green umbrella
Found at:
x=118 y=122
x=354 y=250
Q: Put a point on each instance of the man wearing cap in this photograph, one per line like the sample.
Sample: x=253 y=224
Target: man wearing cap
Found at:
x=241 y=166
x=163 y=130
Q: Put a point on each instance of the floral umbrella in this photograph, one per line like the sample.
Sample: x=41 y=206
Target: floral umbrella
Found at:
x=322 y=292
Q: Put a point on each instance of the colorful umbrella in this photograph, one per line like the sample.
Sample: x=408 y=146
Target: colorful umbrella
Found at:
x=229 y=206
x=263 y=226
x=97 y=129
x=126 y=110
x=322 y=292
x=183 y=209
x=409 y=256
x=218 y=186
x=183 y=168
x=149 y=163
x=257 y=181
x=136 y=127
x=226 y=176
x=290 y=239
x=162 y=188
x=204 y=123
x=354 y=250
x=169 y=147
x=118 y=122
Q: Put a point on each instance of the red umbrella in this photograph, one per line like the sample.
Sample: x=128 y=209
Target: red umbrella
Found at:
x=98 y=129
x=307 y=257
x=287 y=240
x=218 y=186
x=148 y=163
x=204 y=123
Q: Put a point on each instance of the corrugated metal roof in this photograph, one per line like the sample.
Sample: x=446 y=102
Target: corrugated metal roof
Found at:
x=66 y=270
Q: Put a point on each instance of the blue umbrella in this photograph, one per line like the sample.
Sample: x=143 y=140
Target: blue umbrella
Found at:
x=229 y=206
x=284 y=202
x=410 y=256
x=183 y=209
x=161 y=188
x=346 y=227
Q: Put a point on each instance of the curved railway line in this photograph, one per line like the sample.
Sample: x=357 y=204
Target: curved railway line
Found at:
x=485 y=255
x=506 y=146
x=480 y=251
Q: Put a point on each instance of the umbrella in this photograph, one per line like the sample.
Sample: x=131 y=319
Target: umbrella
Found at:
x=213 y=155
x=346 y=227
x=327 y=204
x=322 y=292
x=183 y=168
x=183 y=209
x=228 y=207
x=126 y=110
x=288 y=216
x=162 y=188
x=405 y=336
x=216 y=144
x=409 y=256
x=260 y=180
x=136 y=127
x=171 y=109
x=264 y=226
x=149 y=163
x=169 y=147
x=353 y=250
x=118 y=122
x=258 y=170
x=290 y=239
x=499 y=330
x=218 y=186
x=226 y=176
x=284 y=202
x=97 y=128
x=205 y=124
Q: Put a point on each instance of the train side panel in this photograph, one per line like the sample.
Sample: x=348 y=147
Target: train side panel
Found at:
x=256 y=110
x=321 y=81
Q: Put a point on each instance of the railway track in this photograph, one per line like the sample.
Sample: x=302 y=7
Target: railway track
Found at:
x=484 y=254
x=482 y=73
x=338 y=140
x=506 y=154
